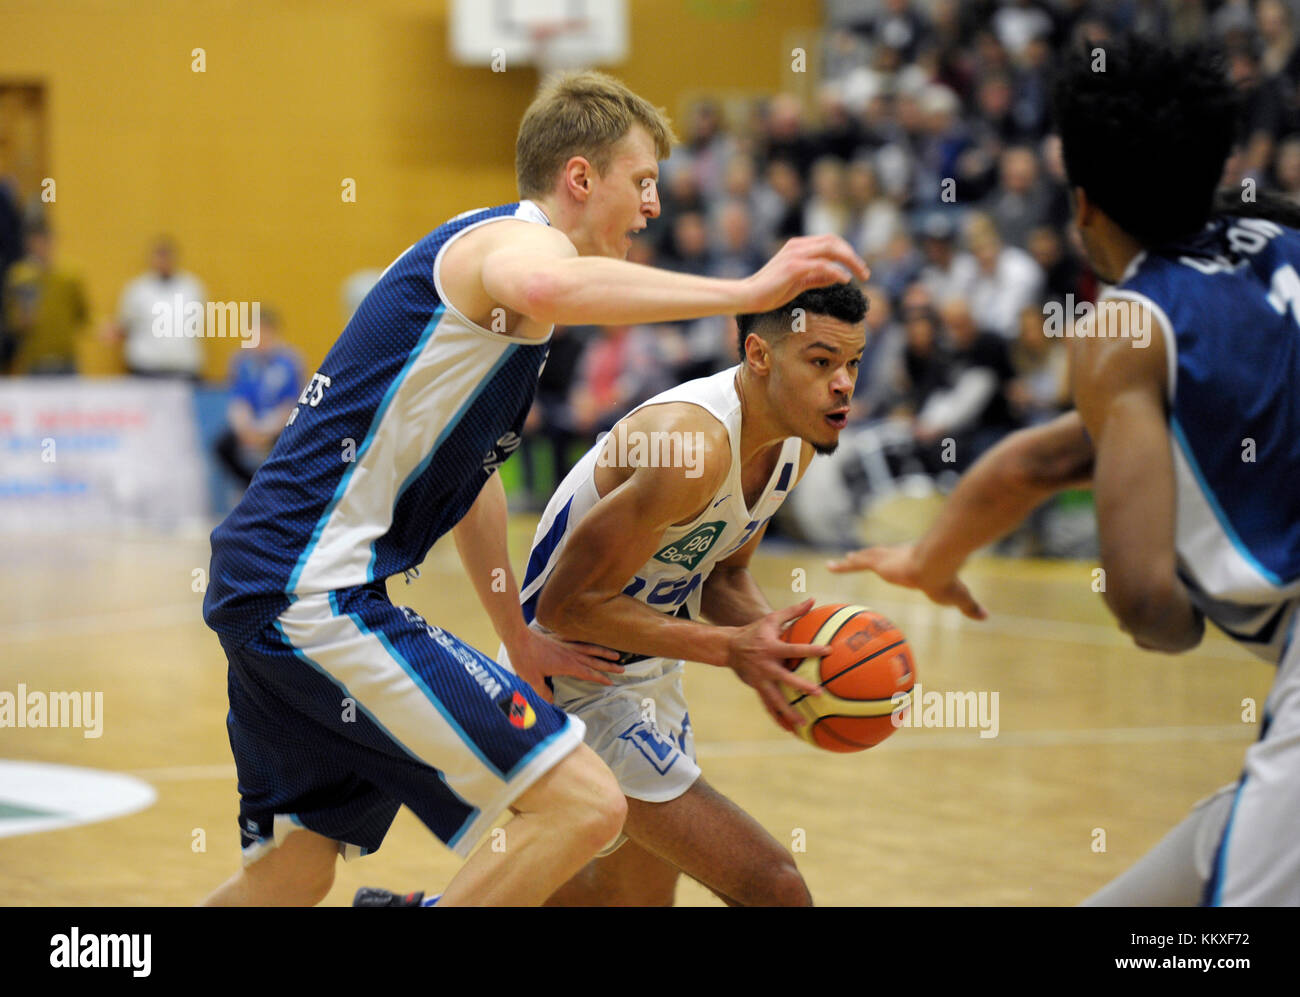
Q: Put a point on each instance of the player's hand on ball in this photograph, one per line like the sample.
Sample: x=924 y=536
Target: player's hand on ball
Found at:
x=900 y=565
x=541 y=655
x=804 y=262
x=758 y=655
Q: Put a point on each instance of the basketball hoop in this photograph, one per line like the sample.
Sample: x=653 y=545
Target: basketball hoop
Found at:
x=549 y=56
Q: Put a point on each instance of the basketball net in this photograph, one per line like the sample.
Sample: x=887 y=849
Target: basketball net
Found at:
x=546 y=56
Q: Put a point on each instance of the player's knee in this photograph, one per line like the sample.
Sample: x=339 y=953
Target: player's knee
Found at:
x=784 y=885
x=606 y=813
x=316 y=888
x=588 y=798
x=307 y=885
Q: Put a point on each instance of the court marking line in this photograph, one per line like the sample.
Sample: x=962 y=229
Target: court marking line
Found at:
x=964 y=740
x=905 y=614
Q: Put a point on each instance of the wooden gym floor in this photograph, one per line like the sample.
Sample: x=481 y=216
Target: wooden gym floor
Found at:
x=1100 y=747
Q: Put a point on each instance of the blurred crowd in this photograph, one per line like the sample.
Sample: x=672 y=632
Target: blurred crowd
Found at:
x=927 y=144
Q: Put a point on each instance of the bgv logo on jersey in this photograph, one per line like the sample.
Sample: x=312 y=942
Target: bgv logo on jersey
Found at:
x=500 y=453
x=690 y=549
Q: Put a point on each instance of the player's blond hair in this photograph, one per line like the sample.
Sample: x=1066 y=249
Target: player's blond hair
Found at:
x=581 y=114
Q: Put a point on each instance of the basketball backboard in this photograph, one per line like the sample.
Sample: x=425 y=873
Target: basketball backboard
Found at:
x=549 y=34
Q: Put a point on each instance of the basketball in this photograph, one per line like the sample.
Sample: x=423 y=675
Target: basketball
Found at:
x=867 y=678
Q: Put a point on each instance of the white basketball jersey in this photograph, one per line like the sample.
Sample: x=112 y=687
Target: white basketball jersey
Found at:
x=670 y=581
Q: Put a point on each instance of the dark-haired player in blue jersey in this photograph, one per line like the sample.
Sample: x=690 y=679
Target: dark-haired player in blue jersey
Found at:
x=344 y=706
x=1190 y=525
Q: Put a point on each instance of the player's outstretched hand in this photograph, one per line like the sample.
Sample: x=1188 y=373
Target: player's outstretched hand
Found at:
x=541 y=655
x=802 y=263
x=899 y=565
x=758 y=655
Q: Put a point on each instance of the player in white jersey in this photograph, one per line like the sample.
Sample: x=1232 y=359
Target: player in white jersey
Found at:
x=1187 y=429
x=648 y=537
x=434 y=377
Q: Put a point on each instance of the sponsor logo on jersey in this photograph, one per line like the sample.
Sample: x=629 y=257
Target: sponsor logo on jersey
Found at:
x=480 y=669
x=518 y=712
x=500 y=453
x=691 y=549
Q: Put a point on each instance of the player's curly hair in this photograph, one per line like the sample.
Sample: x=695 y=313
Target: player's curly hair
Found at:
x=845 y=302
x=1145 y=130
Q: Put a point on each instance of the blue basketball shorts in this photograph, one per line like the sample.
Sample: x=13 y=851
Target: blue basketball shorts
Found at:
x=346 y=707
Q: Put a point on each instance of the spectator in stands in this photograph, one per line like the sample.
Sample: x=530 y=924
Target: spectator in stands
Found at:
x=781 y=204
x=265 y=382
x=1021 y=201
x=683 y=197
x=874 y=218
x=1187 y=21
x=971 y=408
x=785 y=137
x=1018 y=23
x=147 y=352
x=1061 y=270
x=1040 y=390
x=706 y=150
x=942 y=143
x=880 y=374
x=44 y=309
x=898 y=266
x=895 y=24
x=925 y=361
x=737 y=253
x=740 y=185
x=827 y=212
x=1031 y=100
x=11 y=251
x=1286 y=167
x=840 y=133
x=1006 y=278
x=619 y=369
x=550 y=422
x=949 y=272
x=690 y=250
x=1264 y=107
x=993 y=127
x=1276 y=25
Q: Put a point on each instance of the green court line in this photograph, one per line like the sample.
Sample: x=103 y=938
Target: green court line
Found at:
x=9 y=811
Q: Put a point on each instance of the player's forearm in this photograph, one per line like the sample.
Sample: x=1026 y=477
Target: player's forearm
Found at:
x=624 y=624
x=1001 y=489
x=595 y=290
x=731 y=598
x=481 y=542
x=1159 y=618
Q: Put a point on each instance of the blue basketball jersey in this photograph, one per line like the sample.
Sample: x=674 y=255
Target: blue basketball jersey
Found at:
x=1229 y=304
x=411 y=412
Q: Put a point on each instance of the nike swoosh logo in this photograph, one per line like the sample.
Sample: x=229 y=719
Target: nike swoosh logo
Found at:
x=720 y=501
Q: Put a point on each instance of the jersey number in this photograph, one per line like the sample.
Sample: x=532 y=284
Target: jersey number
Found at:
x=1284 y=291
